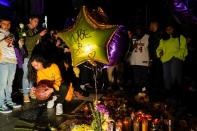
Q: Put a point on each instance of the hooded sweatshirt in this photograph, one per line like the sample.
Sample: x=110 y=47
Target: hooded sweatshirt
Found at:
x=173 y=47
x=7 y=53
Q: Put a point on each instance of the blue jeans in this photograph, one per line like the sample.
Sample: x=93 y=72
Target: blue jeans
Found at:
x=25 y=82
x=172 y=73
x=7 y=73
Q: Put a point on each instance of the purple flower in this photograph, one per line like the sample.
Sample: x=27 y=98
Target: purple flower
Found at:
x=102 y=109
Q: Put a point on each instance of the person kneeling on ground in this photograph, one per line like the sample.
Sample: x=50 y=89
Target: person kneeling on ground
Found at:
x=42 y=70
x=70 y=74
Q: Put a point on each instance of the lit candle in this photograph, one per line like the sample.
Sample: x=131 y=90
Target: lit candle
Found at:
x=110 y=126
x=119 y=125
x=169 y=125
x=145 y=125
x=136 y=125
x=126 y=124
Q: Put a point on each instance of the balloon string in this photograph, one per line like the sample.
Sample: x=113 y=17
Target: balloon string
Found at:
x=95 y=83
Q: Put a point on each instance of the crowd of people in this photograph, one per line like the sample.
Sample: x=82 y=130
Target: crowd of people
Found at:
x=154 y=60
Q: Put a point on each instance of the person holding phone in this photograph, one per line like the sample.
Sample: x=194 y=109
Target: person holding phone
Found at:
x=31 y=40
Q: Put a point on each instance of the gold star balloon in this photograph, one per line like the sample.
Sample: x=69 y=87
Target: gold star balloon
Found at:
x=88 y=40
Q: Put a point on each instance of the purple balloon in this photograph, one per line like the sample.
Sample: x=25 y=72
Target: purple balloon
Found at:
x=117 y=46
x=183 y=12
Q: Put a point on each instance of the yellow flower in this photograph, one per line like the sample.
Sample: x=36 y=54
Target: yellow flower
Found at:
x=82 y=127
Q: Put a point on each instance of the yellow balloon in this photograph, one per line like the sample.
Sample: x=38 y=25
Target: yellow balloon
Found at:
x=87 y=39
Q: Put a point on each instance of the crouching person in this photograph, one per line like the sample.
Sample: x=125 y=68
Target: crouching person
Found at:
x=70 y=75
x=43 y=72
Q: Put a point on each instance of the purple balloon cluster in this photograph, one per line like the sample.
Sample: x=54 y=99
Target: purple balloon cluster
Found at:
x=117 y=46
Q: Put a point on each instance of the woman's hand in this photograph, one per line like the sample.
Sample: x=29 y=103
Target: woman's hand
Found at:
x=43 y=32
x=33 y=89
x=66 y=50
x=21 y=42
x=32 y=93
x=51 y=90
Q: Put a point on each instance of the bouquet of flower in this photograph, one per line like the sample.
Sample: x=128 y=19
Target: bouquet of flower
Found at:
x=101 y=120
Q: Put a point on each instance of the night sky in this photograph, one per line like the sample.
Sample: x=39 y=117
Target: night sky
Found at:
x=140 y=12
x=129 y=13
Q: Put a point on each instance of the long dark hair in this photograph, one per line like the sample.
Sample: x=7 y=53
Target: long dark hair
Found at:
x=32 y=73
x=175 y=33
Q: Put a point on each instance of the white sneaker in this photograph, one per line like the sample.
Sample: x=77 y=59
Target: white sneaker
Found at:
x=82 y=87
x=59 y=109
x=50 y=103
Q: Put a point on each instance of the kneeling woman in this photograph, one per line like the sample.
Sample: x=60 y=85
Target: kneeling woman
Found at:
x=42 y=70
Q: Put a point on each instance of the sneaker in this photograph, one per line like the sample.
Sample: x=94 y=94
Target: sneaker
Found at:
x=26 y=99
x=13 y=105
x=50 y=103
x=5 y=109
x=82 y=87
x=59 y=109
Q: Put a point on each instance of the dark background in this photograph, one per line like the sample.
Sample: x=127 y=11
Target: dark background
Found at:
x=119 y=12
